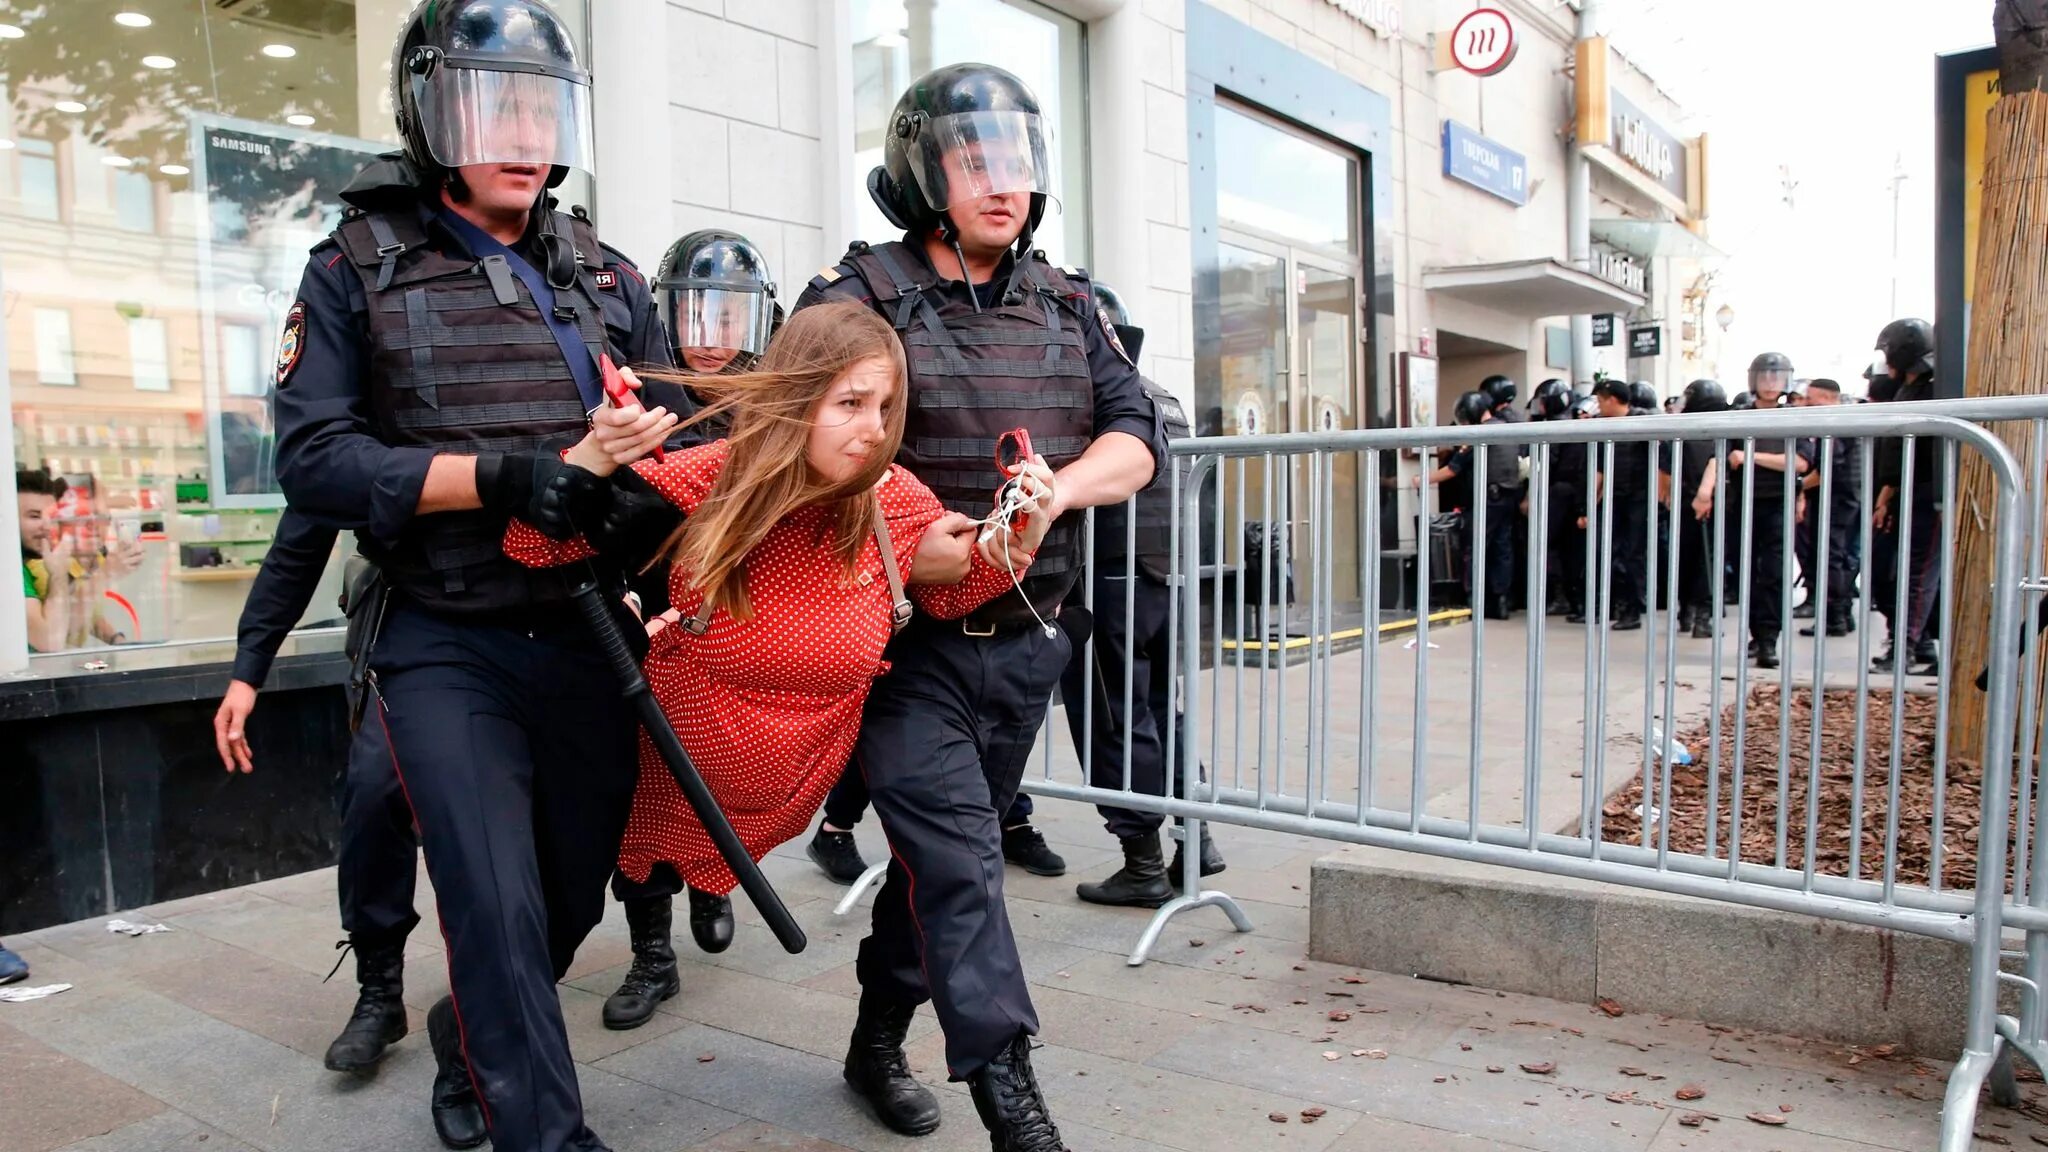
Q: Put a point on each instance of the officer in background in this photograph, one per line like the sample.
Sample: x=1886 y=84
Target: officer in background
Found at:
x=377 y=860
x=1843 y=562
x=1628 y=509
x=1500 y=487
x=996 y=339
x=1139 y=653
x=717 y=305
x=1772 y=513
x=442 y=352
x=1553 y=400
x=1696 y=528
x=1502 y=391
x=1908 y=349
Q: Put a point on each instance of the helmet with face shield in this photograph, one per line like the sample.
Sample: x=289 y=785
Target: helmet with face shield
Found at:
x=1770 y=377
x=716 y=300
x=957 y=134
x=491 y=82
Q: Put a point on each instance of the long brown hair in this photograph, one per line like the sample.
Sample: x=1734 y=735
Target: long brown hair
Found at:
x=767 y=473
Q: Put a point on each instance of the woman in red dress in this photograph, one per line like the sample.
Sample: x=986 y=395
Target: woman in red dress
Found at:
x=783 y=595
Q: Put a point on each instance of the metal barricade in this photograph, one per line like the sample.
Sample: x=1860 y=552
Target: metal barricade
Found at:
x=1282 y=731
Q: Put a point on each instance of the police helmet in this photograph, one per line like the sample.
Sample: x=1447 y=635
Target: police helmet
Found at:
x=1111 y=304
x=1473 y=408
x=491 y=82
x=1550 y=400
x=1704 y=396
x=1642 y=396
x=714 y=291
x=1908 y=347
x=959 y=133
x=1743 y=401
x=1501 y=388
x=1584 y=407
x=1773 y=369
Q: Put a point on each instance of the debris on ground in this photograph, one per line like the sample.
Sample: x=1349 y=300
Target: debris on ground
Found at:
x=1771 y=1118
x=1544 y=1068
x=1690 y=1092
x=127 y=929
x=1694 y=1119
x=1611 y=1007
x=17 y=994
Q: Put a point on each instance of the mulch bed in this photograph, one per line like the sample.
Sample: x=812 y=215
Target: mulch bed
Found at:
x=1689 y=817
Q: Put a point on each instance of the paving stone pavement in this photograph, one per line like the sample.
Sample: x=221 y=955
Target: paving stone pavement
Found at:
x=209 y=1037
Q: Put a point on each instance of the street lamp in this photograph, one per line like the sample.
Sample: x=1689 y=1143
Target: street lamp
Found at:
x=1724 y=316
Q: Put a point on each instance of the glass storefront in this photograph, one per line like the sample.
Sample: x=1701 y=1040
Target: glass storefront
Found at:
x=896 y=41
x=164 y=167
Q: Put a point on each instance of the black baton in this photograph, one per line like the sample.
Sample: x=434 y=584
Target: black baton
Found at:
x=590 y=600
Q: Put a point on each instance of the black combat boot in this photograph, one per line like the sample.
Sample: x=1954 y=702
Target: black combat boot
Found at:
x=458 y=1116
x=379 y=1019
x=652 y=978
x=1212 y=860
x=1025 y=847
x=1012 y=1108
x=837 y=854
x=1764 y=649
x=711 y=921
x=1496 y=607
x=879 y=1072
x=1140 y=883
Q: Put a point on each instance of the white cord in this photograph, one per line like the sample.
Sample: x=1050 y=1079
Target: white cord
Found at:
x=1009 y=502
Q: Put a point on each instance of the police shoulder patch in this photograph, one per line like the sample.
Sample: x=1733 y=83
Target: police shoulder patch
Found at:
x=292 y=341
x=607 y=279
x=1116 y=343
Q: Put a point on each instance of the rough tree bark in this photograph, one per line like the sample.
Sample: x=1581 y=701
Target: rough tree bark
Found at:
x=2008 y=334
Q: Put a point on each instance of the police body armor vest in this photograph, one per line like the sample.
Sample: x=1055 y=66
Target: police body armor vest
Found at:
x=1503 y=467
x=1022 y=363
x=460 y=355
x=1155 y=505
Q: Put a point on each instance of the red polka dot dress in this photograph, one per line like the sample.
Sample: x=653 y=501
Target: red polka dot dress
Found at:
x=767 y=708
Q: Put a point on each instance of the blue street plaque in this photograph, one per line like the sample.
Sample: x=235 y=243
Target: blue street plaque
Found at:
x=1485 y=164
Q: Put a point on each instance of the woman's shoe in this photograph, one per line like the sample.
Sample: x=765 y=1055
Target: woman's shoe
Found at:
x=711 y=921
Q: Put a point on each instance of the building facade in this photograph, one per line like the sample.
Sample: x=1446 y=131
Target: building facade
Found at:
x=1321 y=221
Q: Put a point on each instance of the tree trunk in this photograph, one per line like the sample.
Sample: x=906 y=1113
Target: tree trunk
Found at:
x=2008 y=356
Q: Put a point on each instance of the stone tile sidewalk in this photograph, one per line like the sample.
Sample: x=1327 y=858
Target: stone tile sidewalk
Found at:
x=210 y=1036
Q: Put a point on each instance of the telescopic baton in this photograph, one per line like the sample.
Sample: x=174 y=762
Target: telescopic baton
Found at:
x=589 y=600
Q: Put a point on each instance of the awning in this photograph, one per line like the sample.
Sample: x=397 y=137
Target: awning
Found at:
x=1654 y=238
x=1530 y=289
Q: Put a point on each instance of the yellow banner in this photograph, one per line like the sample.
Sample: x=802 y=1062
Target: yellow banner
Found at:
x=1979 y=93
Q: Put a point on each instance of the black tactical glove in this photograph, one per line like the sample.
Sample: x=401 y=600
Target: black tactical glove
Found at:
x=546 y=491
x=631 y=522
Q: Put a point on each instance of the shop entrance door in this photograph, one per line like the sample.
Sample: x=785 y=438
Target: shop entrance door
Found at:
x=1289 y=363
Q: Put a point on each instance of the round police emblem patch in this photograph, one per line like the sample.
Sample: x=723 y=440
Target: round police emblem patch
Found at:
x=291 y=342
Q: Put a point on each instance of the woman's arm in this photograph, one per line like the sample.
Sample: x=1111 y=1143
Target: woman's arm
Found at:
x=648 y=500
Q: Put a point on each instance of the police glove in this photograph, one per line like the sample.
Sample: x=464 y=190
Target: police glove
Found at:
x=633 y=521
x=542 y=489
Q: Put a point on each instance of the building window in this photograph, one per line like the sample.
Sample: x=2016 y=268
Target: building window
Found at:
x=149 y=354
x=38 y=167
x=55 y=363
x=134 y=202
x=242 y=361
x=896 y=41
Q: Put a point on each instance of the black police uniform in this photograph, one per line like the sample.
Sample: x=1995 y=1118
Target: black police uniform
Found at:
x=378 y=861
x=946 y=733
x=1770 y=517
x=1843 y=560
x=1921 y=563
x=1629 y=509
x=417 y=334
x=1501 y=488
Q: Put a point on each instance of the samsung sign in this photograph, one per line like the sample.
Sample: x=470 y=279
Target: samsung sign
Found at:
x=1648 y=146
x=1382 y=16
x=1485 y=164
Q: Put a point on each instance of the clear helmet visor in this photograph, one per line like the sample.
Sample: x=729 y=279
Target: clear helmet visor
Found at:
x=486 y=116
x=961 y=157
x=732 y=319
x=1770 y=382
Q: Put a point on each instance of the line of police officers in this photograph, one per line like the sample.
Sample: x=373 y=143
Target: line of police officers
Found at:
x=445 y=348
x=1704 y=489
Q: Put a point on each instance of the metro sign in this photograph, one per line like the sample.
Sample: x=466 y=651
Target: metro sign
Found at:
x=1483 y=43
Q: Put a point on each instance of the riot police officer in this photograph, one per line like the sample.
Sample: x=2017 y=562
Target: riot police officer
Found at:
x=1772 y=512
x=1630 y=504
x=1500 y=393
x=443 y=349
x=1500 y=488
x=996 y=339
x=1552 y=400
x=1695 y=527
x=1132 y=663
x=717 y=303
x=1914 y=556
x=1843 y=560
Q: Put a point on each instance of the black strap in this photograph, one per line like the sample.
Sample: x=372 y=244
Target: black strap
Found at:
x=419 y=327
x=389 y=247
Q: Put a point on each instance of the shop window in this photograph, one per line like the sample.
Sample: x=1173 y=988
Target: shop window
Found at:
x=895 y=42
x=55 y=363
x=149 y=355
x=212 y=170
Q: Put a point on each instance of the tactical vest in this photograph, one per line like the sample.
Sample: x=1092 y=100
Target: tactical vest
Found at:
x=1503 y=467
x=1022 y=363
x=1155 y=505
x=461 y=356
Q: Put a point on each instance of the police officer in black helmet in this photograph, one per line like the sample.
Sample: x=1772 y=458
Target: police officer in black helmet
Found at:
x=444 y=351
x=717 y=304
x=1139 y=652
x=996 y=339
x=1914 y=556
x=1499 y=487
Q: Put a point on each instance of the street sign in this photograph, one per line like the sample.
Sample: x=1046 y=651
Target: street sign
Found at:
x=1603 y=331
x=1645 y=342
x=1484 y=42
x=1485 y=164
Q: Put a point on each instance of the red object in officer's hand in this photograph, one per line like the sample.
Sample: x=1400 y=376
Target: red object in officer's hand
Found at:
x=622 y=396
x=1020 y=440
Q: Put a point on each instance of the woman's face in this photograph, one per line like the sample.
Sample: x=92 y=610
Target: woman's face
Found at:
x=849 y=423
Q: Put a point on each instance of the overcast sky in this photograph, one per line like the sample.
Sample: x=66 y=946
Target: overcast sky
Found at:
x=1838 y=91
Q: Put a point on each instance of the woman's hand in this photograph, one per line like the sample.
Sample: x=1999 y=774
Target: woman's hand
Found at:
x=1014 y=549
x=619 y=436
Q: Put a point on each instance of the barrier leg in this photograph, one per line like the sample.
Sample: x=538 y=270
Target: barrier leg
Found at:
x=1193 y=896
x=1959 y=1106
x=853 y=894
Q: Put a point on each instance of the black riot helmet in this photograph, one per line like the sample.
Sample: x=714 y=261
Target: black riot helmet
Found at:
x=491 y=82
x=1772 y=372
x=1705 y=396
x=959 y=133
x=1473 y=408
x=1551 y=400
x=1584 y=407
x=1908 y=347
x=1743 y=402
x=1501 y=388
x=1110 y=303
x=1642 y=396
x=714 y=292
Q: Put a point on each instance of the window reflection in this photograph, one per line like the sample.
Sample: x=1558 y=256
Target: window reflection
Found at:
x=1283 y=183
